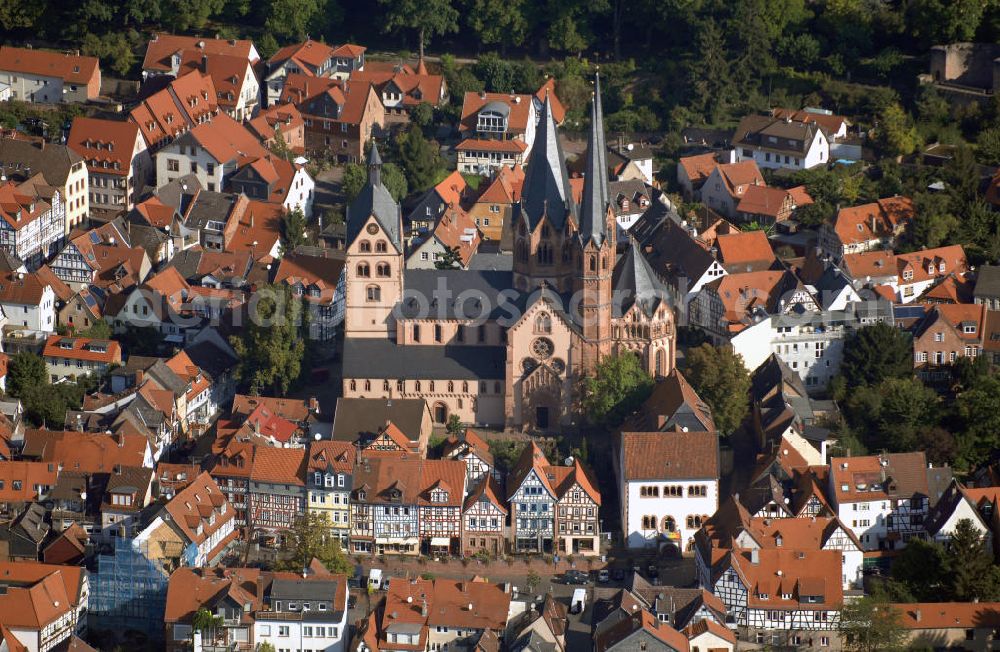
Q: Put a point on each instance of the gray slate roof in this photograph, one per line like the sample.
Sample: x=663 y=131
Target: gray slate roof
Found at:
x=476 y=289
x=988 y=282
x=376 y=358
x=594 y=203
x=363 y=417
x=546 y=190
x=53 y=161
x=634 y=281
x=375 y=200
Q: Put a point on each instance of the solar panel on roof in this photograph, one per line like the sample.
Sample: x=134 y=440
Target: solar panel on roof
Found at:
x=89 y=300
x=94 y=237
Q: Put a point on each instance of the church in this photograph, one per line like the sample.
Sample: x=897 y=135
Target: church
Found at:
x=504 y=348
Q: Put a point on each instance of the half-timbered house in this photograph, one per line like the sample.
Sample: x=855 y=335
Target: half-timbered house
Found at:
x=781 y=596
x=577 y=505
x=471 y=449
x=532 y=501
x=384 y=512
x=277 y=488
x=885 y=499
x=443 y=487
x=484 y=519
x=231 y=471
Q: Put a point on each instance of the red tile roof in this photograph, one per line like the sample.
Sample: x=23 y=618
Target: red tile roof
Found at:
x=101 y=142
x=163 y=46
x=698 y=167
x=82 y=348
x=670 y=455
x=308 y=54
x=751 y=249
x=279 y=465
x=71 y=68
x=519 y=105
x=949 y=615
x=194 y=506
x=187 y=102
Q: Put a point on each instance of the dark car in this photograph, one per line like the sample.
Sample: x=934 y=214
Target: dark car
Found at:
x=575 y=577
x=652 y=571
x=618 y=574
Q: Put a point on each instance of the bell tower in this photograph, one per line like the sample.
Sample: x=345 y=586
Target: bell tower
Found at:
x=544 y=221
x=373 y=271
x=596 y=242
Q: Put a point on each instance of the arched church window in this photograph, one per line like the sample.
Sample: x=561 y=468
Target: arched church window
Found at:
x=365 y=247
x=661 y=362
x=604 y=263
x=567 y=252
x=363 y=270
x=374 y=293
x=543 y=323
x=380 y=247
x=521 y=229
x=382 y=269
x=385 y=385
x=545 y=231
x=593 y=264
x=522 y=251
x=451 y=387
x=545 y=254
x=400 y=386
x=669 y=524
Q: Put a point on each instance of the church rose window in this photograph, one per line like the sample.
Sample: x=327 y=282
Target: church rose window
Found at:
x=542 y=348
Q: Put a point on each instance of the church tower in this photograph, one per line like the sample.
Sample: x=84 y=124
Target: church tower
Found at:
x=596 y=242
x=373 y=271
x=544 y=222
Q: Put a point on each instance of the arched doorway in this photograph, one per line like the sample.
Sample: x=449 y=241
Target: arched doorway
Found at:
x=440 y=413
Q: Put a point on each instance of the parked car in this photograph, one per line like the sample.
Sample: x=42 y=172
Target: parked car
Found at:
x=618 y=574
x=603 y=575
x=652 y=571
x=575 y=577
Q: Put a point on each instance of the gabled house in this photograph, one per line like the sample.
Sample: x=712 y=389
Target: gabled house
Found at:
x=443 y=486
x=117 y=159
x=310 y=58
x=320 y=281
x=454 y=232
x=33 y=75
x=532 y=499
x=384 y=506
x=329 y=482
x=673 y=405
x=75 y=357
x=103 y=258
x=283 y=123
x=340 y=116
x=578 y=501
x=278 y=181
x=401 y=88
x=693 y=172
x=946 y=333
x=907 y=276
x=497 y=130
x=236 y=86
x=957 y=503
x=491 y=210
x=165 y=52
x=781 y=143
x=876 y=225
x=471 y=449
x=277 y=488
x=668 y=485
x=28 y=301
x=129 y=490
x=188 y=101
x=885 y=499
x=484 y=515
x=32 y=219
x=42 y=611
x=21 y=157
x=767 y=206
x=726 y=185
x=452 y=192
x=212 y=151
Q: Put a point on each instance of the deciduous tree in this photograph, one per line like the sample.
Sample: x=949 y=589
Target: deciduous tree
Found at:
x=722 y=381
x=311 y=538
x=874 y=353
x=427 y=17
x=293 y=229
x=871 y=624
x=617 y=387
x=270 y=347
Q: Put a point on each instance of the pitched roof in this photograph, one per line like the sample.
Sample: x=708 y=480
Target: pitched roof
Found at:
x=163 y=46
x=699 y=167
x=309 y=54
x=879 y=219
x=288 y=408
x=336 y=455
x=100 y=142
x=594 y=203
x=279 y=465
x=531 y=459
x=228 y=141
x=193 y=506
x=516 y=107
x=375 y=200
x=878 y=477
x=746 y=251
x=948 y=615
x=37 y=606
x=187 y=101
x=71 y=68
x=82 y=348
x=85 y=452
x=828 y=122
x=670 y=455
x=54 y=161
x=546 y=192
x=645 y=621
x=670 y=394
x=783 y=135
x=738 y=177
x=764 y=200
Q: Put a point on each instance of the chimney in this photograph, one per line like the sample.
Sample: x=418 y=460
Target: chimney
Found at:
x=423 y=608
x=204 y=63
x=917 y=616
x=313 y=405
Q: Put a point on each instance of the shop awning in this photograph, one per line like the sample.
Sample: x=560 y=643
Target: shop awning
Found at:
x=440 y=542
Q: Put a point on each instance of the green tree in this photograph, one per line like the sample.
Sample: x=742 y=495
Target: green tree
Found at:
x=99 y=330
x=450 y=259
x=722 y=381
x=920 y=572
x=907 y=408
x=871 y=624
x=394 y=181
x=874 y=353
x=184 y=15
x=711 y=74
x=944 y=21
x=935 y=221
x=206 y=622
x=265 y=647
x=454 y=425
x=427 y=17
x=988 y=146
x=979 y=411
x=498 y=22
x=422 y=115
x=293 y=229
x=270 y=348
x=618 y=386
x=896 y=133
x=20 y=14
x=355 y=178
x=532 y=580
x=26 y=371
x=294 y=19
x=311 y=538
x=113 y=49
x=418 y=158
x=970 y=565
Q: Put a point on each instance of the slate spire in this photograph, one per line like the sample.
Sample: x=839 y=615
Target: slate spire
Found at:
x=546 y=182
x=594 y=204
